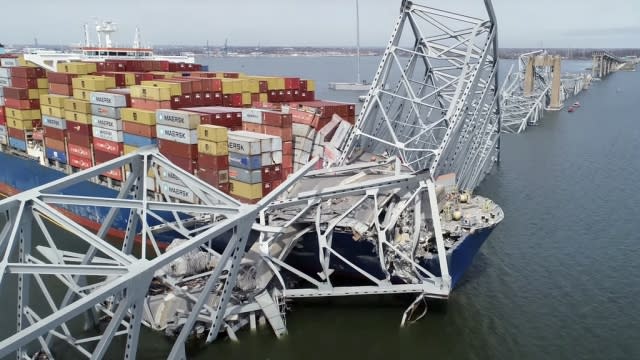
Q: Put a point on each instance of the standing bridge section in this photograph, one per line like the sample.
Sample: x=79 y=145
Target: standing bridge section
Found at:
x=604 y=63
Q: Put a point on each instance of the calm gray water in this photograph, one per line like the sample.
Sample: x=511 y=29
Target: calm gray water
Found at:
x=557 y=279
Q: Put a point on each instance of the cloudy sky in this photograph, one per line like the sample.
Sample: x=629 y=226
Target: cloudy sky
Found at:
x=522 y=23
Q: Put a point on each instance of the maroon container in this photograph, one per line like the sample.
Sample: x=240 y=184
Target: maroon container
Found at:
x=276 y=119
x=79 y=139
x=16 y=93
x=188 y=165
x=220 y=162
x=177 y=149
x=101 y=156
x=111 y=147
x=16 y=133
x=60 y=78
x=139 y=129
x=28 y=72
x=79 y=150
x=271 y=173
x=60 y=89
x=22 y=104
x=213 y=177
x=55 y=144
x=27 y=83
x=54 y=133
x=79 y=128
x=80 y=162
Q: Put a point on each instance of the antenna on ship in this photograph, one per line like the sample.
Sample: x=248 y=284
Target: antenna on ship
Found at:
x=87 y=41
x=136 y=39
x=107 y=28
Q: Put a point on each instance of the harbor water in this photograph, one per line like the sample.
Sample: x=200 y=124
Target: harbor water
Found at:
x=557 y=279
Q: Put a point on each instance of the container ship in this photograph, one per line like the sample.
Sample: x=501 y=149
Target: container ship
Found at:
x=242 y=134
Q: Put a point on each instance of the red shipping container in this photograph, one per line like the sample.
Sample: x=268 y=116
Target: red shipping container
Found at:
x=213 y=98
x=102 y=157
x=286 y=134
x=188 y=165
x=60 y=78
x=16 y=133
x=220 y=162
x=27 y=72
x=303 y=85
x=211 y=84
x=271 y=172
x=79 y=139
x=263 y=86
x=276 y=183
x=233 y=100
x=80 y=151
x=287 y=162
x=110 y=147
x=139 y=129
x=266 y=188
x=287 y=147
x=115 y=174
x=60 y=89
x=213 y=177
x=291 y=83
x=79 y=128
x=178 y=149
x=79 y=162
x=55 y=144
x=54 y=133
x=26 y=83
x=2 y=111
x=118 y=77
x=16 y=93
x=150 y=104
x=3 y=121
x=277 y=119
x=22 y=104
x=286 y=172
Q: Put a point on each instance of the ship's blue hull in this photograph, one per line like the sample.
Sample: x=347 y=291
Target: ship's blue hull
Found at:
x=23 y=174
x=363 y=255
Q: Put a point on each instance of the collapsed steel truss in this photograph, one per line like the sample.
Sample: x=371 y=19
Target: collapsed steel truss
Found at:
x=520 y=109
x=101 y=280
x=433 y=100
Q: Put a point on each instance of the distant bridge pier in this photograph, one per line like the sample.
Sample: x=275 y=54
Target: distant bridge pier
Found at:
x=605 y=63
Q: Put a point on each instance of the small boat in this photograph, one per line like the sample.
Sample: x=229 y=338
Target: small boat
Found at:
x=576 y=104
x=571 y=109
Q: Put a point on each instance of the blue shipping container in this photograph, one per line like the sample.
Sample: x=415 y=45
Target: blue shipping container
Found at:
x=249 y=162
x=138 y=141
x=56 y=155
x=18 y=144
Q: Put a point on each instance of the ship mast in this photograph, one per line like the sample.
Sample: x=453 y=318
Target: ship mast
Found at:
x=357 y=43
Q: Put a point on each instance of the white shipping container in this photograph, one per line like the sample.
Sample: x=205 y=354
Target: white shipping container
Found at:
x=105 y=111
x=302 y=143
x=106 y=123
x=327 y=131
x=3 y=139
x=243 y=145
x=1 y=100
x=178 y=118
x=252 y=116
x=300 y=156
x=3 y=130
x=275 y=141
x=169 y=175
x=184 y=136
x=8 y=62
x=54 y=122
x=276 y=157
x=177 y=191
x=5 y=72
x=246 y=176
x=302 y=130
x=5 y=81
x=107 y=134
x=341 y=134
x=108 y=99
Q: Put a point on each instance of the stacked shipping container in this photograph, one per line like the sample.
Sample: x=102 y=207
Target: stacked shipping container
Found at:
x=213 y=156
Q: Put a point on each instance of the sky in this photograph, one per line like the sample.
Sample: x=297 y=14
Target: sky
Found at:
x=521 y=23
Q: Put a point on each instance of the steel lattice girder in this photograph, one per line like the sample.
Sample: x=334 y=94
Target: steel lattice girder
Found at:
x=520 y=110
x=123 y=278
x=433 y=100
